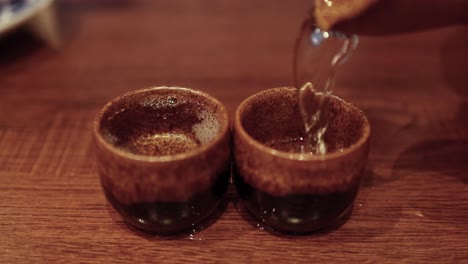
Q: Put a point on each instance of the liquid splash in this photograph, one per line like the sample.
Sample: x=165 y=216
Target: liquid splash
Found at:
x=317 y=56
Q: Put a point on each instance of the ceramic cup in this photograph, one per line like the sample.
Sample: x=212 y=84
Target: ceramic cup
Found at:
x=163 y=157
x=291 y=191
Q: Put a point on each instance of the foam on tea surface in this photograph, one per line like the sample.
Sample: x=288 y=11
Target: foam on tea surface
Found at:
x=284 y=131
x=161 y=125
x=318 y=54
x=162 y=144
x=207 y=128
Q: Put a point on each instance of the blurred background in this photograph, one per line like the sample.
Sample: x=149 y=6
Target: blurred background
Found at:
x=112 y=46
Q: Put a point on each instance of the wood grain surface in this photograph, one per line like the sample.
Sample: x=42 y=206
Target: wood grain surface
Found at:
x=413 y=205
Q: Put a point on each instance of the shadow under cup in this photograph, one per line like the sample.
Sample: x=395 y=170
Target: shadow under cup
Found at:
x=283 y=188
x=163 y=157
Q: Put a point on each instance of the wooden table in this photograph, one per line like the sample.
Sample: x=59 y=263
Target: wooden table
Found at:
x=413 y=205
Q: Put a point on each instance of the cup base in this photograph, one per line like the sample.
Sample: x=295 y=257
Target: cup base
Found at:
x=171 y=218
x=299 y=214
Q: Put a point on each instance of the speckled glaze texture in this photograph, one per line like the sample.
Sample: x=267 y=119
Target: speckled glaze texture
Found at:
x=275 y=114
x=136 y=173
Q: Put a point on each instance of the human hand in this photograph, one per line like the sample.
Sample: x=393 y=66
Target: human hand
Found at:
x=378 y=17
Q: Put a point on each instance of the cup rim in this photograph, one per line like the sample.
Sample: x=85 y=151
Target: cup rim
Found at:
x=164 y=158
x=298 y=156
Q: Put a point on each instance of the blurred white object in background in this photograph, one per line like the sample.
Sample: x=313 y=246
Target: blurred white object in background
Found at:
x=37 y=15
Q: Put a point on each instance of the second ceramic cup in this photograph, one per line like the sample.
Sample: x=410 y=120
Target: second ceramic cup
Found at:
x=291 y=191
x=163 y=157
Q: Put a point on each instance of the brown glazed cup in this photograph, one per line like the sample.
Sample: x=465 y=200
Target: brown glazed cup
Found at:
x=163 y=157
x=289 y=191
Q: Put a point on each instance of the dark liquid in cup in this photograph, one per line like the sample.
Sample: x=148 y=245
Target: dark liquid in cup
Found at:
x=168 y=218
x=298 y=213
